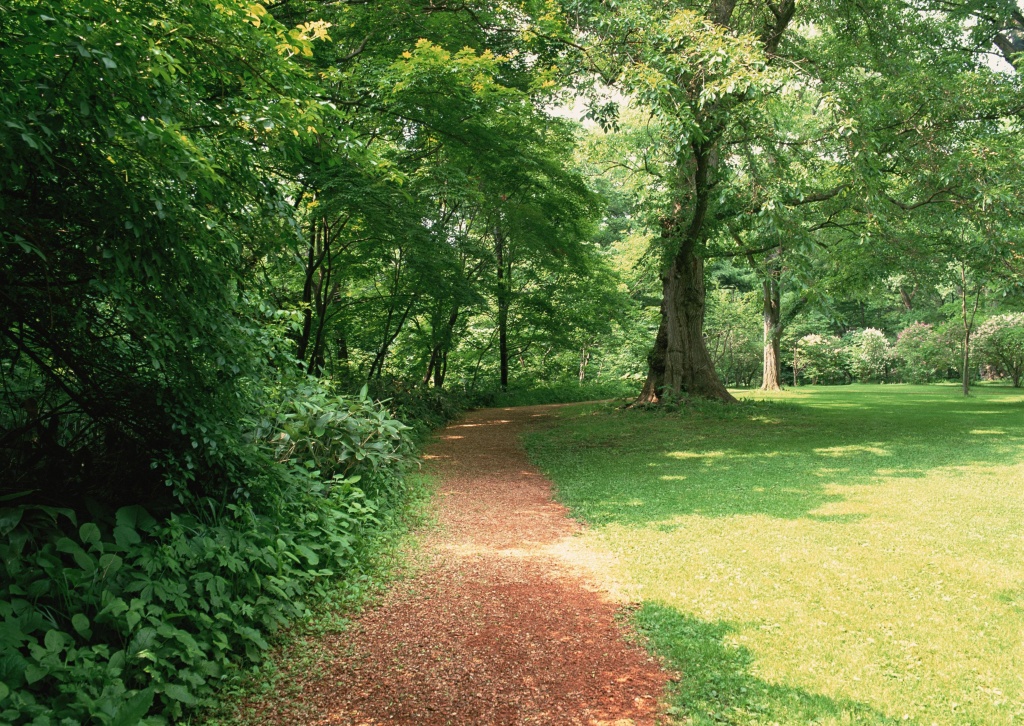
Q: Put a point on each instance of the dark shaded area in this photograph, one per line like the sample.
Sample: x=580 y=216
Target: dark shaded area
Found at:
x=717 y=684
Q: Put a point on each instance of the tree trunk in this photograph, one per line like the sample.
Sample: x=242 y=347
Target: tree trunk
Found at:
x=504 y=288
x=441 y=370
x=679 y=362
x=968 y=321
x=967 y=361
x=439 y=351
x=307 y=295
x=771 y=375
x=377 y=367
x=771 y=379
x=907 y=298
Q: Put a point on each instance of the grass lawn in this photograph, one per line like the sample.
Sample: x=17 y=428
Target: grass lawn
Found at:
x=832 y=555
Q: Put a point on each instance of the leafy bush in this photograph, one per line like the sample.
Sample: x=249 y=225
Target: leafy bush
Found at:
x=822 y=359
x=872 y=358
x=109 y=620
x=422 y=408
x=925 y=353
x=734 y=335
x=567 y=392
x=999 y=342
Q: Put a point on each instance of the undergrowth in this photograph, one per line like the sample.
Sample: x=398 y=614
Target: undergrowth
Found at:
x=120 y=617
x=563 y=392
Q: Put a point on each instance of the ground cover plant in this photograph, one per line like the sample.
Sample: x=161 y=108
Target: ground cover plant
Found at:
x=831 y=555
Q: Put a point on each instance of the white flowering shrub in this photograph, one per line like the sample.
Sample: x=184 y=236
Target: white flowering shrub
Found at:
x=871 y=356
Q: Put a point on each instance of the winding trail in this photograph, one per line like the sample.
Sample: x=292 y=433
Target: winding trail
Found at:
x=508 y=623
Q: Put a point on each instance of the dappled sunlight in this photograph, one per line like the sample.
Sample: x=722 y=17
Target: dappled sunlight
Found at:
x=852 y=449
x=695 y=455
x=890 y=585
x=494 y=422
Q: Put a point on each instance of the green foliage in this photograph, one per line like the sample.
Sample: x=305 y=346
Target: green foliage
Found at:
x=872 y=358
x=927 y=353
x=822 y=359
x=999 y=342
x=733 y=331
x=423 y=409
x=568 y=392
x=136 y=186
x=110 y=619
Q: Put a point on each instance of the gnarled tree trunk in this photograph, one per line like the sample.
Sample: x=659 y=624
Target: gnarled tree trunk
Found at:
x=680 y=362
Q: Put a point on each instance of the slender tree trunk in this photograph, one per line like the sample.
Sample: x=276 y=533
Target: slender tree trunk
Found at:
x=771 y=379
x=967 y=360
x=584 y=360
x=377 y=367
x=307 y=295
x=968 y=321
x=771 y=298
x=504 y=289
x=439 y=352
x=441 y=371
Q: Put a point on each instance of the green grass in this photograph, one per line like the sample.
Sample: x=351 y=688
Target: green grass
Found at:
x=832 y=555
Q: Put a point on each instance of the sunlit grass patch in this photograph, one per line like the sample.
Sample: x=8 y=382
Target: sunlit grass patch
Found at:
x=832 y=556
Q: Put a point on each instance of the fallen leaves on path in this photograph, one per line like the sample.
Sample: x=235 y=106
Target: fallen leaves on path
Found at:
x=499 y=628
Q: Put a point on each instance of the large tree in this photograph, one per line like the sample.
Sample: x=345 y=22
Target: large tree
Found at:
x=788 y=125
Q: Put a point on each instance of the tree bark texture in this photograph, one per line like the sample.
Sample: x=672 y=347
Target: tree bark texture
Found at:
x=680 y=362
x=771 y=379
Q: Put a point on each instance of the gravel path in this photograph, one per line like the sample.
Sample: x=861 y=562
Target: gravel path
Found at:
x=509 y=623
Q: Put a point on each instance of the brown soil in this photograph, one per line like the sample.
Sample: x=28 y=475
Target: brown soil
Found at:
x=509 y=623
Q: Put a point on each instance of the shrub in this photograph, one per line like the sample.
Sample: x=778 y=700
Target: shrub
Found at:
x=420 y=407
x=925 y=353
x=108 y=620
x=734 y=335
x=822 y=359
x=999 y=342
x=872 y=358
x=555 y=392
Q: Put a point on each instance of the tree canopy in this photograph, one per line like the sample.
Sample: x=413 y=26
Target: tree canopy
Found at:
x=229 y=228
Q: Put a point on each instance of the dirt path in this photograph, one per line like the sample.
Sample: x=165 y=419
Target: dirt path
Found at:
x=507 y=624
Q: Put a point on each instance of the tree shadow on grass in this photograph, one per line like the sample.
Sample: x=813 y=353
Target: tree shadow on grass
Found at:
x=716 y=685
x=784 y=461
